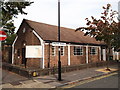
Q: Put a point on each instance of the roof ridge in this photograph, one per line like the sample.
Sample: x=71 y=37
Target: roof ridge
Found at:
x=49 y=32
x=48 y=24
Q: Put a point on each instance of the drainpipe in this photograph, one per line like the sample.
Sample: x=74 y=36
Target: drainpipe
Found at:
x=42 y=43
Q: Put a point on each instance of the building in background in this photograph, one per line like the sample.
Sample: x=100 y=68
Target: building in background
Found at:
x=36 y=46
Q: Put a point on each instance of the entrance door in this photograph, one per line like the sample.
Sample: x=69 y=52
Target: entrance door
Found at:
x=23 y=56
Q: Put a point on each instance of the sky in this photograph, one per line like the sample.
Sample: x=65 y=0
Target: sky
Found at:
x=73 y=12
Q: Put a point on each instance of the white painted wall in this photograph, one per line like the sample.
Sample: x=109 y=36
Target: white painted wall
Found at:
x=68 y=54
x=87 y=61
x=104 y=54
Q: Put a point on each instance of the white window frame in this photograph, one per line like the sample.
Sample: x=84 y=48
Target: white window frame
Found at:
x=75 y=51
x=62 y=51
x=91 y=51
x=53 y=50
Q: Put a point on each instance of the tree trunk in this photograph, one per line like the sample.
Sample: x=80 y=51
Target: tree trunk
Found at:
x=108 y=57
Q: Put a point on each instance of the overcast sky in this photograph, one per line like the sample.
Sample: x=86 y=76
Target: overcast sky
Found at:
x=73 y=12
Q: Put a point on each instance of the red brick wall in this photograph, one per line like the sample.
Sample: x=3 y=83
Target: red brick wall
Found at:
x=94 y=58
x=30 y=39
x=76 y=60
x=54 y=59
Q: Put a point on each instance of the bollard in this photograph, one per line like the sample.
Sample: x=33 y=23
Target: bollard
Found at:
x=34 y=74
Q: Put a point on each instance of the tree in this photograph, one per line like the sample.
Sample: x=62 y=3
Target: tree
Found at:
x=104 y=29
x=9 y=10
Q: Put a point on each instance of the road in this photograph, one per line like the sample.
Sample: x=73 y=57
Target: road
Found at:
x=108 y=81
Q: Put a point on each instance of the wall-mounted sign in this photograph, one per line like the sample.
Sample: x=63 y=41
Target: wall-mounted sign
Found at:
x=33 y=51
x=58 y=44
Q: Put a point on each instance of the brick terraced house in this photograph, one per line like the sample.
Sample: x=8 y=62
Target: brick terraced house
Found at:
x=36 y=46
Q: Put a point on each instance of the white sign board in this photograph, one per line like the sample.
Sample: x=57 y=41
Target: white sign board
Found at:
x=58 y=44
x=33 y=51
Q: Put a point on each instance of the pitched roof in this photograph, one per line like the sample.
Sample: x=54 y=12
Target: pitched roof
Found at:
x=50 y=33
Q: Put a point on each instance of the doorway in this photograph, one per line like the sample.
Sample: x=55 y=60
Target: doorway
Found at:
x=23 y=57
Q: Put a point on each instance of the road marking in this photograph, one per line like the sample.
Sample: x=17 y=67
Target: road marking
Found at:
x=106 y=71
x=87 y=81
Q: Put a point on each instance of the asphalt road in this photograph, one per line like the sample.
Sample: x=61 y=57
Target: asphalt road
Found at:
x=8 y=77
x=108 y=81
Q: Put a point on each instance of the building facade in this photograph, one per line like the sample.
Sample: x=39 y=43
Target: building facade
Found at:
x=36 y=46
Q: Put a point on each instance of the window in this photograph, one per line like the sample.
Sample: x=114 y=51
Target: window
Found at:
x=78 y=50
x=93 y=50
x=53 y=50
x=62 y=50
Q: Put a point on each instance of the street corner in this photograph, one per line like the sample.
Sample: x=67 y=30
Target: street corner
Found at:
x=7 y=85
x=104 y=70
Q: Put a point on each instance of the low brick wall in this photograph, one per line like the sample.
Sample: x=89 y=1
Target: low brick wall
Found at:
x=27 y=72
x=15 y=69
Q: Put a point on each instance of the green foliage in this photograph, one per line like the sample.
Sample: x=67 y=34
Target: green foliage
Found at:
x=10 y=39
x=10 y=10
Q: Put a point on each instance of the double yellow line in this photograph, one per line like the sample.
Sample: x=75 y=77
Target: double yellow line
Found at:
x=87 y=81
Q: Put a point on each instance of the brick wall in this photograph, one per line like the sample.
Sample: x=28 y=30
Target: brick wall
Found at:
x=93 y=58
x=30 y=39
x=77 y=60
x=74 y=59
x=50 y=61
x=54 y=59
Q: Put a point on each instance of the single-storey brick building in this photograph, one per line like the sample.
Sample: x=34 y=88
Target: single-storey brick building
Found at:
x=36 y=46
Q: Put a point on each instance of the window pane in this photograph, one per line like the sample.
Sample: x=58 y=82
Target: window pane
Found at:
x=53 y=50
x=62 y=50
x=78 y=50
x=93 y=50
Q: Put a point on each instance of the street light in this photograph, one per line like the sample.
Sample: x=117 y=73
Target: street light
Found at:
x=59 y=62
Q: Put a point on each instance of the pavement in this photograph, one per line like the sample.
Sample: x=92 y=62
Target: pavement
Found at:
x=67 y=78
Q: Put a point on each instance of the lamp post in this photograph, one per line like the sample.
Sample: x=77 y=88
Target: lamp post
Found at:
x=59 y=62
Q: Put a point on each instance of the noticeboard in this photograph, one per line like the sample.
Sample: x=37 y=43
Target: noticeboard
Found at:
x=34 y=51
